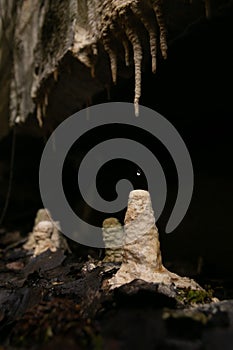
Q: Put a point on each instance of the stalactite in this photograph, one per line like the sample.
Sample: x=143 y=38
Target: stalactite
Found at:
x=106 y=27
x=55 y=75
x=157 y=6
x=137 y=55
x=43 y=108
x=208 y=9
x=162 y=27
x=112 y=57
x=126 y=50
x=39 y=115
x=87 y=28
x=117 y=22
x=151 y=29
x=93 y=71
x=46 y=98
x=94 y=48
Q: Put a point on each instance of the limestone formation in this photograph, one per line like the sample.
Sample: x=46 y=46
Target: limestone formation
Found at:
x=66 y=33
x=63 y=48
x=113 y=239
x=45 y=235
x=141 y=252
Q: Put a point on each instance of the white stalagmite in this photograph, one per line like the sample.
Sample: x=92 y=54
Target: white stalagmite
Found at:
x=141 y=251
x=45 y=235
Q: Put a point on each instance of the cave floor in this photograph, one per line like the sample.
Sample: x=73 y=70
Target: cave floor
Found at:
x=58 y=299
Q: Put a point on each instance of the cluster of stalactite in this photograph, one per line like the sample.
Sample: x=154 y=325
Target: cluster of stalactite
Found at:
x=131 y=27
x=129 y=31
x=119 y=21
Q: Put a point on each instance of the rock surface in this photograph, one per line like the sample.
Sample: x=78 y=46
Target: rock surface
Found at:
x=57 y=301
x=68 y=49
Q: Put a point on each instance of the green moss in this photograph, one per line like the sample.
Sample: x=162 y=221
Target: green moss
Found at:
x=191 y=296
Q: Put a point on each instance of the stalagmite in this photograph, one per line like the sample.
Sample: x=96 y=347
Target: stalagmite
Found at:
x=113 y=239
x=141 y=251
x=45 y=235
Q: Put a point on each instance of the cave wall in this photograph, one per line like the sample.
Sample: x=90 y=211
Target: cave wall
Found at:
x=7 y=26
x=57 y=56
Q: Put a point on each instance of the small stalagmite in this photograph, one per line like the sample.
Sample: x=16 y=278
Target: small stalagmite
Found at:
x=45 y=235
x=113 y=239
x=141 y=252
